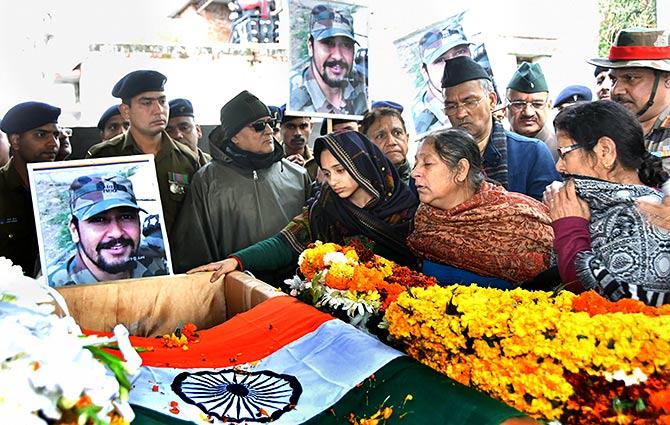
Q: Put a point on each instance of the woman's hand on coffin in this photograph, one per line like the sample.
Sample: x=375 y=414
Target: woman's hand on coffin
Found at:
x=220 y=268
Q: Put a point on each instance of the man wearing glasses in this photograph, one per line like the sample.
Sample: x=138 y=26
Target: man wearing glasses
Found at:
x=247 y=193
x=518 y=163
x=144 y=105
x=182 y=128
x=528 y=105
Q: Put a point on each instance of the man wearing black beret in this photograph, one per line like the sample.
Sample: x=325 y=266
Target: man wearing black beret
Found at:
x=518 y=163
x=182 y=128
x=111 y=123
x=145 y=106
x=33 y=135
x=247 y=193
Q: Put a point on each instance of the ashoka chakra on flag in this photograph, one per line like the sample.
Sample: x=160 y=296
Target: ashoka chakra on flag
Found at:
x=235 y=395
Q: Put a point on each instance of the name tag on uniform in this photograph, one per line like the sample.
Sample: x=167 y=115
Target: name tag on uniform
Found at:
x=178 y=183
x=8 y=220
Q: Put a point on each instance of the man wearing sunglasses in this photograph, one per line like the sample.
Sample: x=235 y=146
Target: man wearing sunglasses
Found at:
x=248 y=192
x=330 y=83
x=518 y=163
x=32 y=130
x=528 y=105
x=144 y=105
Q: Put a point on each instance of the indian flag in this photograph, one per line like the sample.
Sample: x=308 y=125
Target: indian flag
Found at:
x=288 y=363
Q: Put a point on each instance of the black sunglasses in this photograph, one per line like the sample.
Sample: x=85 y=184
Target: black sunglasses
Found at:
x=259 y=126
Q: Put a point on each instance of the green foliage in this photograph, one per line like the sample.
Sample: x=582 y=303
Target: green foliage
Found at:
x=619 y=14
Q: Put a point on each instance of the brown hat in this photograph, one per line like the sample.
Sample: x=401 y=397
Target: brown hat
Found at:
x=638 y=47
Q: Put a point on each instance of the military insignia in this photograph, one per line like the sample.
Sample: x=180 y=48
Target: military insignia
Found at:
x=178 y=183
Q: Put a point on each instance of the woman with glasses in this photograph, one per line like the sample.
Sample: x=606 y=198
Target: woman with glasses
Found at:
x=603 y=242
x=247 y=193
x=468 y=229
x=363 y=198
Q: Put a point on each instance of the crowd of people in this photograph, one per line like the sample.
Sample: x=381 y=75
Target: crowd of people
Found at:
x=498 y=200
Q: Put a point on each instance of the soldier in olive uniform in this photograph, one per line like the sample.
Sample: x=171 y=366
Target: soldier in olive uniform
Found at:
x=183 y=128
x=144 y=104
x=329 y=83
x=105 y=226
x=33 y=135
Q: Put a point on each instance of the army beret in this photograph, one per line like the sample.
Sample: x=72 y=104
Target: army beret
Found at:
x=598 y=70
x=461 y=69
x=109 y=113
x=28 y=115
x=572 y=94
x=387 y=104
x=138 y=82
x=277 y=112
x=181 y=108
x=528 y=78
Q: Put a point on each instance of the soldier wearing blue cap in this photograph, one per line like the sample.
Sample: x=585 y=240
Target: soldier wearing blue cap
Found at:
x=182 y=128
x=571 y=95
x=32 y=130
x=111 y=123
x=144 y=104
x=435 y=47
x=105 y=227
x=528 y=105
x=518 y=163
x=330 y=83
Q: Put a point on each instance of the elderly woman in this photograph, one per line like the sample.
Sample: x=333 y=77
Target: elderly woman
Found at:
x=363 y=198
x=602 y=240
x=386 y=128
x=470 y=230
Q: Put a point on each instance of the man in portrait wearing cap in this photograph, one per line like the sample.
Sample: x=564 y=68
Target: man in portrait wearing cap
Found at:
x=639 y=63
x=182 y=127
x=295 y=132
x=518 y=163
x=111 y=123
x=105 y=227
x=528 y=105
x=144 y=105
x=330 y=83
x=32 y=130
x=248 y=192
x=571 y=95
x=435 y=47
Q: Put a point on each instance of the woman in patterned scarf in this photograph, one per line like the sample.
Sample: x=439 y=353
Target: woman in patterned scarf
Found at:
x=470 y=230
x=603 y=242
x=363 y=198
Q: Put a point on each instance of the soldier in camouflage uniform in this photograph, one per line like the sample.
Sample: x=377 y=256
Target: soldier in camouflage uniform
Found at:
x=639 y=63
x=105 y=226
x=435 y=47
x=329 y=83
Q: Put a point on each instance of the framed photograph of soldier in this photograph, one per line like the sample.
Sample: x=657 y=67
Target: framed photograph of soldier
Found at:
x=99 y=220
x=423 y=53
x=328 y=59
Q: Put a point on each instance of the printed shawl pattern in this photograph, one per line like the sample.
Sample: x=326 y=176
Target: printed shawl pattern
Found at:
x=495 y=233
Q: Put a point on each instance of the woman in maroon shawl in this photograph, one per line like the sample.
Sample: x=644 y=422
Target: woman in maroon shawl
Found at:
x=364 y=198
x=471 y=230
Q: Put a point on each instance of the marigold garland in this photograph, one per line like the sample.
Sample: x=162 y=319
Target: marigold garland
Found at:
x=528 y=348
x=351 y=278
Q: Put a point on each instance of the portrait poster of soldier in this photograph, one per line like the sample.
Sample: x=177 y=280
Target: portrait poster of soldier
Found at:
x=99 y=220
x=423 y=53
x=328 y=59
